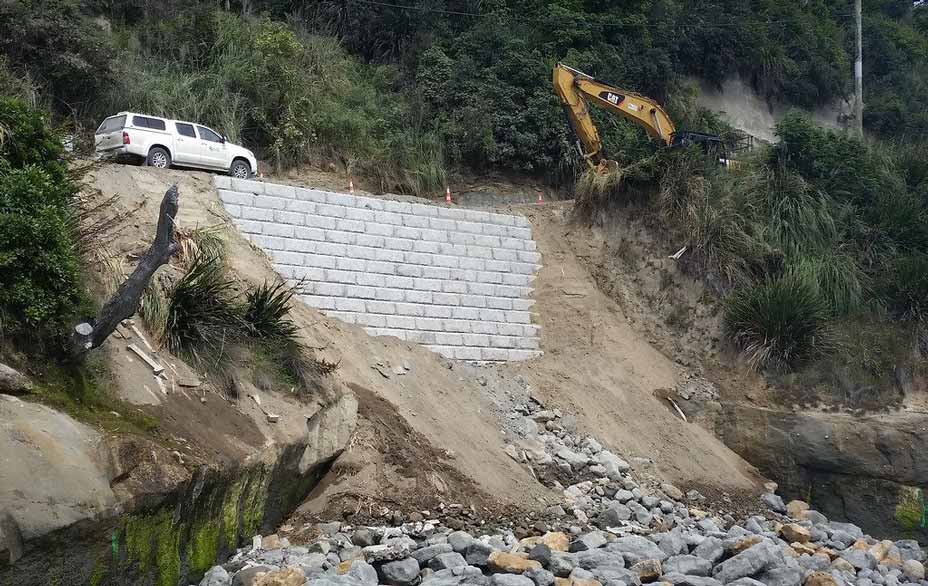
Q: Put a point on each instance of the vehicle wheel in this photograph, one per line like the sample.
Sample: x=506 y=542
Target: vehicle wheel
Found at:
x=158 y=158
x=240 y=169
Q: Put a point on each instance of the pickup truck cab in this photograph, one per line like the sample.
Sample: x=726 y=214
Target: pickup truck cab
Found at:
x=162 y=143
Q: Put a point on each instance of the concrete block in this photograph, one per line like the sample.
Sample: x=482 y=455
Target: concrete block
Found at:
x=305 y=233
x=370 y=203
x=474 y=301
x=320 y=261
x=466 y=353
x=420 y=337
x=362 y=253
x=346 y=316
x=445 y=298
x=517 y=280
x=304 y=207
x=503 y=341
x=477 y=216
x=518 y=317
x=418 y=258
x=333 y=211
x=277 y=190
x=468 y=313
x=326 y=289
x=384 y=307
x=508 y=291
x=484 y=327
x=371 y=279
x=233 y=210
x=398 y=243
x=529 y=244
x=376 y=229
x=523 y=268
x=530 y=257
x=504 y=254
x=436 y=272
x=401 y=322
x=369 y=240
x=399 y=282
x=427 y=285
x=289 y=217
x=408 y=270
x=495 y=230
x=319 y=301
x=429 y=324
x=449 y=339
x=523 y=233
x=470 y=227
x=351 y=264
x=247 y=186
x=436 y=311
x=456 y=325
x=271 y=203
x=528 y=343
x=222 y=181
x=460 y=238
x=440 y=260
x=347 y=304
x=339 y=237
x=512 y=243
x=494 y=354
x=442 y=224
x=487 y=241
x=340 y=199
x=386 y=268
x=250 y=227
x=349 y=225
x=500 y=266
x=426 y=246
x=522 y=304
x=454 y=287
x=474 y=251
x=237 y=198
x=416 y=221
x=390 y=294
x=481 y=288
x=407 y=232
x=488 y=277
x=499 y=303
x=331 y=248
x=316 y=221
x=287 y=258
x=449 y=213
x=521 y=222
x=372 y=320
x=413 y=309
x=359 y=292
x=258 y=214
x=282 y=230
x=433 y=235
x=336 y=276
x=493 y=315
x=359 y=214
x=389 y=218
x=502 y=219
x=397 y=207
x=387 y=255
x=452 y=249
x=479 y=340
x=413 y=296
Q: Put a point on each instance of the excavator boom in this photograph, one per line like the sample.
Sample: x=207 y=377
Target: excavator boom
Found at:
x=576 y=89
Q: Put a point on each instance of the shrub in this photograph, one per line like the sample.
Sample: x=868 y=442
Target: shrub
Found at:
x=778 y=322
x=202 y=316
x=38 y=261
x=904 y=289
x=266 y=310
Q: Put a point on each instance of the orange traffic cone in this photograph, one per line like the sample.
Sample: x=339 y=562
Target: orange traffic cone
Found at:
x=448 y=195
x=350 y=186
x=539 y=198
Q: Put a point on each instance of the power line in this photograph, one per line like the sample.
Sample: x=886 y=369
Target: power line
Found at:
x=626 y=24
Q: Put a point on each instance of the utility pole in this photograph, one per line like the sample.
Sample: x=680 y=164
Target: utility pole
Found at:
x=859 y=71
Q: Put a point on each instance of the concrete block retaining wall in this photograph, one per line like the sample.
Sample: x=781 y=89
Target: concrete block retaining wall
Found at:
x=457 y=281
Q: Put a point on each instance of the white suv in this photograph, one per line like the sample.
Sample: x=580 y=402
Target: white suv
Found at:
x=160 y=142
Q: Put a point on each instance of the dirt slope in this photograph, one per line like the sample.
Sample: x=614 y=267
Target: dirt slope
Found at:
x=595 y=366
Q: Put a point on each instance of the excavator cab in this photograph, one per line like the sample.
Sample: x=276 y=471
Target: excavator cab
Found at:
x=712 y=144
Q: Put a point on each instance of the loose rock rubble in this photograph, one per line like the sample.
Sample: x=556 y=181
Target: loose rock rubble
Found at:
x=688 y=547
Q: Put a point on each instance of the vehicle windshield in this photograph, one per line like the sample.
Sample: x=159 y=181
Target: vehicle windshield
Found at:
x=112 y=123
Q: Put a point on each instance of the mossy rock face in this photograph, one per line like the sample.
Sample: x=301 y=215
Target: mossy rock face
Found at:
x=910 y=510
x=172 y=542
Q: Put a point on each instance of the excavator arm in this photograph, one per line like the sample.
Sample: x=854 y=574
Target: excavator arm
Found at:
x=577 y=89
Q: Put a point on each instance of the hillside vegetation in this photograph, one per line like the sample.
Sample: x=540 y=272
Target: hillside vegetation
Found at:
x=818 y=244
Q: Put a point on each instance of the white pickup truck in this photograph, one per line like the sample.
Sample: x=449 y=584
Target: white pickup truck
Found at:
x=160 y=142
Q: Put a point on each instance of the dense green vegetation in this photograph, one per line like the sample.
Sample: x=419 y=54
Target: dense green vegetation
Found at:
x=818 y=236
x=38 y=258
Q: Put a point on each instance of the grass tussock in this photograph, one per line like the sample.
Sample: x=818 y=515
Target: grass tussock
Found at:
x=778 y=323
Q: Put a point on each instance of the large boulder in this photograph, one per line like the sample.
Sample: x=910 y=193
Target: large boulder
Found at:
x=749 y=562
x=690 y=565
x=402 y=572
x=635 y=548
x=13 y=382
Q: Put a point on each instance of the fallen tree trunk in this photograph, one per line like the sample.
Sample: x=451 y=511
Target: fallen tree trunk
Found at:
x=125 y=301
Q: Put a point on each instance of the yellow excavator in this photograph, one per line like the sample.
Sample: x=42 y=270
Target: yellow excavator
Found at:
x=576 y=89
